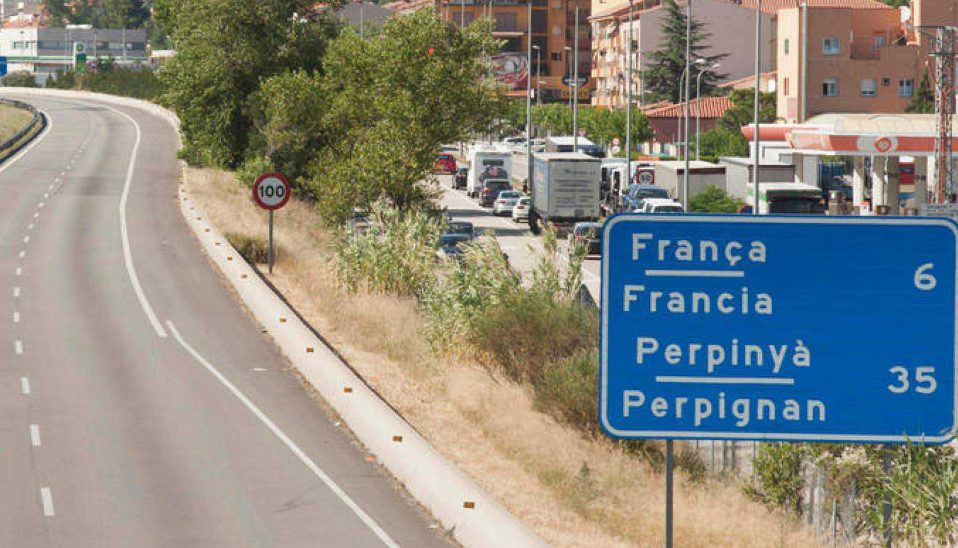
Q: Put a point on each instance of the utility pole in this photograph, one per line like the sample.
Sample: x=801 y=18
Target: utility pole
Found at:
x=946 y=50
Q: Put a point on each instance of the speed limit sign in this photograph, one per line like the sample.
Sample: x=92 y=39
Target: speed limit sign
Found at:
x=271 y=191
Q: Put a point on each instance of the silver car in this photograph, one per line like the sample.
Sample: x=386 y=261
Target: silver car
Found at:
x=505 y=202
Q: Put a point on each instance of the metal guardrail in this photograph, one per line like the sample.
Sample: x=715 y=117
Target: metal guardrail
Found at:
x=16 y=141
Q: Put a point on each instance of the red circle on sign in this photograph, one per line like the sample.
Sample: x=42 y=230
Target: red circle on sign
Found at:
x=271 y=190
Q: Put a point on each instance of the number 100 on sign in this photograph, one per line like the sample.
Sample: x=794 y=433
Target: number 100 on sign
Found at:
x=271 y=191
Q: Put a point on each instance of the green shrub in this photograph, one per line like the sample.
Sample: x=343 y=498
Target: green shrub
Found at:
x=396 y=255
x=530 y=330
x=690 y=461
x=714 y=200
x=567 y=390
x=254 y=249
x=20 y=79
x=776 y=476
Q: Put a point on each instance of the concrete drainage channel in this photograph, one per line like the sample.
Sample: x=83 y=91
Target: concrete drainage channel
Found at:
x=473 y=517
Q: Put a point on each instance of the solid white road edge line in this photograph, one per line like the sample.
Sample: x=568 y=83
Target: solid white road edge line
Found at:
x=47 y=498
x=313 y=467
x=35 y=142
x=125 y=234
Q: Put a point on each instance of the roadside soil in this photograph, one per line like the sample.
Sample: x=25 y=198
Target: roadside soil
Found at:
x=570 y=489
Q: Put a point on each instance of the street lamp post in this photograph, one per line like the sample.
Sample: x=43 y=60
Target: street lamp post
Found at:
x=575 y=83
x=678 y=118
x=688 y=77
x=758 y=97
x=628 y=106
x=538 y=74
x=698 y=109
x=529 y=97
x=569 y=56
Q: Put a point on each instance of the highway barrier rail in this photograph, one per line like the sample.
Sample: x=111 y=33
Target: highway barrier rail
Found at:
x=19 y=139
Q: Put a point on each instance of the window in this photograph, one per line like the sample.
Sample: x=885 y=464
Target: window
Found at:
x=830 y=87
x=878 y=41
x=785 y=45
x=885 y=82
x=506 y=22
x=557 y=56
x=540 y=21
x=830 y=46
x=784 y=86
x=869 y=88
x=906 y=88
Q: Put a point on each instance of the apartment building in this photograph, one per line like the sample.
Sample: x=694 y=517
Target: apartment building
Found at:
x=730 y=24
x=856 y=57
x=553 y=33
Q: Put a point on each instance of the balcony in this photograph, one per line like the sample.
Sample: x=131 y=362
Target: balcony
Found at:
x=869 y=46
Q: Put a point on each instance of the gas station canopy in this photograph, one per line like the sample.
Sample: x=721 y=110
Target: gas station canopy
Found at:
x=858 y=135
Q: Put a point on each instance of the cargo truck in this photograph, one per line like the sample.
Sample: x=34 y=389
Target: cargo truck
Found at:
x=487 y=163
x=565 y=190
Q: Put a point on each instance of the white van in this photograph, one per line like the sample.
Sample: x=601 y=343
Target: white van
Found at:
x=487 y=163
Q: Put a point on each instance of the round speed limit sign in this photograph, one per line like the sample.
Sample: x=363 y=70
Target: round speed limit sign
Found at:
x=271 y=190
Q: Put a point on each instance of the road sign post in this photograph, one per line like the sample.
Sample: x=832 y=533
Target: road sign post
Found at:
x=271 y=191
x=79 y=56
x=777 y=328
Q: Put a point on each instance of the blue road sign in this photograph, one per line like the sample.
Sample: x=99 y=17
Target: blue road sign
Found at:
x=3 y=66
x=838 y=329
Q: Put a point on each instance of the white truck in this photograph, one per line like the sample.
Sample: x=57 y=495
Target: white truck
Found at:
x=487 y=163
x=565 y=189
x=786 y=198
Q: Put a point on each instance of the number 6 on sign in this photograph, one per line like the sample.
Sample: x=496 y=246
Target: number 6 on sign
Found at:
x=925 y=280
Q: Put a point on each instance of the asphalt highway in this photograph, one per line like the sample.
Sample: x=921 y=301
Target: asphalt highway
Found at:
x=139 y=404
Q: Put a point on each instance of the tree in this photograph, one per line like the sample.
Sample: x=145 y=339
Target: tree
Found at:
x=104 y=14
x=667 y=64
x=924 y=100
x=727 y=138
x=392 y=100
x=224 y=50
x=714 y=200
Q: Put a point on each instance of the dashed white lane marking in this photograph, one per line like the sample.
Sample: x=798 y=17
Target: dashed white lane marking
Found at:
x=40 y=205
x=16 y=292
x=25 y=386
x=22 y=254
x=31 y=226
x=18 y=271
x=16 y=317
x=46 y=497
x=26 y=239
x=46 y=195
x=35 y=435
x=125 y=233
x=336 y=489
x=36 y=215
x=18 y=347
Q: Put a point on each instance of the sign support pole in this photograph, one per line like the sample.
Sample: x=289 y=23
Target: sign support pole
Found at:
x=669 y=469
x=271 y=241
x=886 y=504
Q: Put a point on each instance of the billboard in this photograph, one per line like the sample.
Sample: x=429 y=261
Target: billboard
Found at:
x=511 y=69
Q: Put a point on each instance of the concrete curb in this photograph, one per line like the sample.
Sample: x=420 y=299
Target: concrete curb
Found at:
x=473 y=517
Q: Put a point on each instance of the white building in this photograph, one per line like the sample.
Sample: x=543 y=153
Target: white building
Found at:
x=45 y=51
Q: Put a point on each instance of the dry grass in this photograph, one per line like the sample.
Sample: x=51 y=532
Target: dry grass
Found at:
x=12 y=120
x=570 y=490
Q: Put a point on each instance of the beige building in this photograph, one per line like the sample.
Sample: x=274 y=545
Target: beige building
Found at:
x=730 y=23
x=860 y=57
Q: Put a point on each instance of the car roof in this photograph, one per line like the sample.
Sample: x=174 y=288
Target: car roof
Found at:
x=661 y=201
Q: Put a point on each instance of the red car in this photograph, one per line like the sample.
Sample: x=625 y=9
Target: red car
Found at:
x=445 y=164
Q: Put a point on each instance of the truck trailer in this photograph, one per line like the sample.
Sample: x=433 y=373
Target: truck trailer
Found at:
x=565 y=190
x=487 y=163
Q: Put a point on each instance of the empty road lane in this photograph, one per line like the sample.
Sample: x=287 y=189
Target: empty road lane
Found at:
x=139 y=404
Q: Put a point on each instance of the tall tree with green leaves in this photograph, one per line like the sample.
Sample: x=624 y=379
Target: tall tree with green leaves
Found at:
x=727 y=138
x=392 y=100
x=924 y=100
x=667 y=64
x=104 y=14
x=225 y=49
